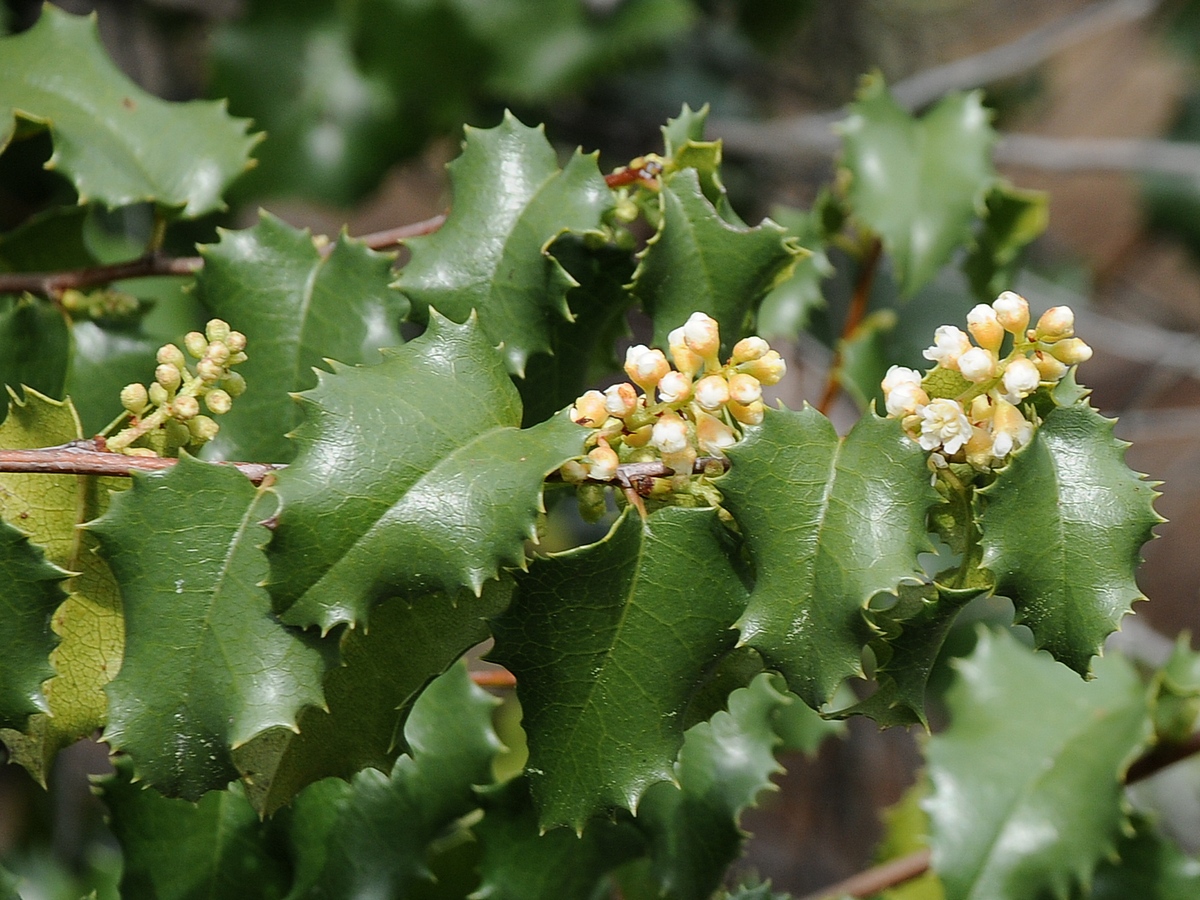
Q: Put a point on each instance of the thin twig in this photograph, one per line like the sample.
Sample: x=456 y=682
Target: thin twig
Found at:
x=84 y=458
x=391 y=237
x=854 y=317
x=52 y=284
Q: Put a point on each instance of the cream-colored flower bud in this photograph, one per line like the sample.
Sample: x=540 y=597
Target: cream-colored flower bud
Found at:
x=620 y=400
x=602 y=463
x=904 y=399
x=218 y=402
x=749 y=348
x=985 y=327
x=713 y=436
x=1056 y=323
x=680 y=462
x=203 y=429
x=645 y=367
x=769 y=369
x=1012 y=312
x=751 y=414
x=217 y=330
x=196 y=344
x=702 y=336
x=685 y=359
x=744 y=389
x=168 y=376
x=670 y=434
x=134 y=398
x=170 y=355
x=238 y=357
x=573 y=471
x=157 y=394
x=978 y=449
x=218 y=353
x=236 y=341
x=977 y=364
x=210 y=371
x=949 y=343
x=186 y=408
x=640 y=437
x=1048 y=367
x=1021 y=379
x=234 y=384
x=590 y=410
x=675 y=387
x=1071 y=351
x=1010 y=430
x=712 y=392
x=898 y=375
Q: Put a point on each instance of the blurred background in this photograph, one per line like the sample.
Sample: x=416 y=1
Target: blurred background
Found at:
x=1097 y=103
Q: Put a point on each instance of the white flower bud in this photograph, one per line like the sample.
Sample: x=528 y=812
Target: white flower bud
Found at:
x=1021 y=379
x=744 y=389
x=685 y=359
x=218 y=353
x=186 y=407
x=1071 y=351
x=134 y=398
x=1012 y=312
x=712 y=392
x=675 y=387
x=977 y=364
x=904 y=399
x=210 y=371
x=168 y=376
x=749 y=348
x=985 y=327
x=196 y=344
x=1010 y=430
x=713 y=436
x=602 y=463
x=590 y=410
x=670 y=434
x=702 y=336
x=944 y=425
x=751 y=414
x=217 y=330
x=898 y=375
x=218 y=402
x=157 y=394
x=1056 y=323
x=620 y=400
x=949 y=343
x=170 y=355
x=645 y=367
x=769 y=368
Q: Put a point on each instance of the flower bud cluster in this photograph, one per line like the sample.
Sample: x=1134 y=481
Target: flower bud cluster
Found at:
x=167 y=415
x=977 y=416
x=697 y=407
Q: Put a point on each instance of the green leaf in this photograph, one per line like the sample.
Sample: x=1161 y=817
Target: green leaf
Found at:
x=412 y=476
x=176 y=850
x=49 y=241
x=1177 y=693
x=369 y=837
x=519 y=863
x=297 y=305
x=117 y=144
x=1150 y=867
x=35 y=345
x=207 y=666
x=510 y=200
x=8 y=885
x=103 y=361
x=1027 y=780
x=786 y=310
x=828 y=523
x=907 y=831
x=370 y=696
x=918 y=183
x=33 y=591
x=1062 y=529
x=725 y=763
x=1013 y=219
x=603 y=716
x=699 y=262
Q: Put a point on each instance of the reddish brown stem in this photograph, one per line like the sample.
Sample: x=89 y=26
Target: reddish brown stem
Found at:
x=390 y=237
x=52 y=284
x=854 y=316
x=84 y=458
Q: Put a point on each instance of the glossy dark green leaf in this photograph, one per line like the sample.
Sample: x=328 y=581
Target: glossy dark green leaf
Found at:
x=1062 y=529
x=697 y=261
x=918 y=183
x=35 y=345
x=116 y=143
x=104 y=360
x=369 y=697
x=1013 y=219
x=603 y=716
x=369 y=837
x=176 y=850
x=48 y=242
x=1026 y=793
x=510 y=200
x=297 y=305
x=521 y=863
x=207 y=665
x=828 y=523
x=412 y=476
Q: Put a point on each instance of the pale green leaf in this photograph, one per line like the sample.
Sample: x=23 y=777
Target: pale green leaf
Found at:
x=117 y=144
x=412 y=476
x=207 y=666
x=176 y=850
x=369 y=837
x=1026 y=782
x=510 y=200
x=603 y=711
x=918 y=183
x=369 y=697
x=828 y=523
x=1062 y=529
x=699 y=262
x=297 y=304
x=1177 y=693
